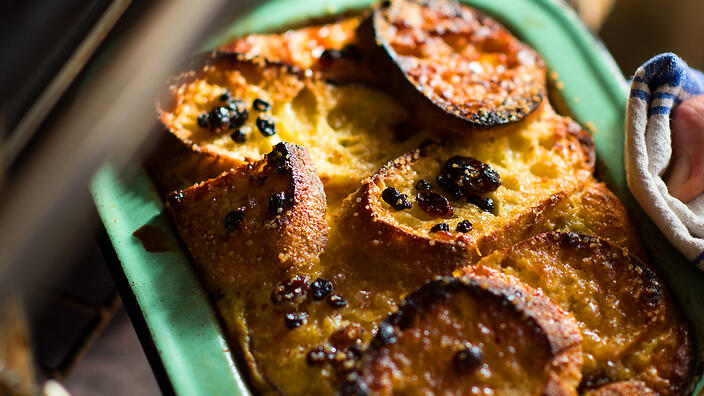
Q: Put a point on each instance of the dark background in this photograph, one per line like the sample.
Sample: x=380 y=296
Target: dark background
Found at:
x=636 y=30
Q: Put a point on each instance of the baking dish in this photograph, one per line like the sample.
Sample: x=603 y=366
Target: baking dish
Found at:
x=189 y=342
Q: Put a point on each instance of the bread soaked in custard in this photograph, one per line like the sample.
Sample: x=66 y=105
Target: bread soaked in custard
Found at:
x=630 y=326
x=539 y=162
x=307 y=290
x=350 y=129
x=477 y=335
x=329 y=49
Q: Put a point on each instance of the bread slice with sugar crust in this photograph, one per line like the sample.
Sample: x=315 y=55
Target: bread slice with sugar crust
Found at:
x=301 y=47
x=255 y=223
x=489 y=333
x=255 y=235
x=631 y=327
x=350 y=130
x=328 y=49
x=540 y=162
x=530 y=172
x=457 y=67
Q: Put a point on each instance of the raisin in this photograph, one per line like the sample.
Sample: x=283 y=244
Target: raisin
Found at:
x=652 y=295
x=434 y=204
x=385 y=335
x=440 y=227
x=394 y=198
x=296 y=319
x=593 y=380
x=354 y=386
x=329 y=56
x=351 y=51
x=463 y=176
x=423 y=185
x=239 y=136
x=266 y=125
x=277 y=158
x=485 y=204
x=355 y=352
x=234 y=218
x=321 y=354
x=320 y=288
x=261 y=105
x=277 y=203
x=289 y=290
x=464 y=226
x=219 y=119
x=238 y=113
x=347 y=337
x=225 y=96
x=203 y=120
x=468 y=359
x=337 y=301
x=316 y=356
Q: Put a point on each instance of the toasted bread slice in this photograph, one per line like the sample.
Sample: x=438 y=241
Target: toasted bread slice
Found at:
x=350 y=130
x=298 y=47
x=329 y=49
x=255 y=223
x=539 y=162
x=460 y=68
x=595 y=211
x=631 y=327
x=487 y=333
x=623 y=388
x=254 y=234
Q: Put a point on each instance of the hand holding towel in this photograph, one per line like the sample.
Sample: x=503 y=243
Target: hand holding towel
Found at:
x=658 y=87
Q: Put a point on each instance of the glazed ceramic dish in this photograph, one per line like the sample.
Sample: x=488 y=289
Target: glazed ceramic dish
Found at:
x=188 y=338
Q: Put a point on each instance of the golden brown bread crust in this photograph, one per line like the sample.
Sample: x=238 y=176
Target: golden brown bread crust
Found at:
x=556 y=162
x=209 y=69
x=631 y=327
x=524 y=343
x=372 y=269
x=595 y=211
x=346 y=128
x=261 y=245
x=458 y=67
x=329 y=49
x=623 y=388
x=243 y=246
x=298 y=47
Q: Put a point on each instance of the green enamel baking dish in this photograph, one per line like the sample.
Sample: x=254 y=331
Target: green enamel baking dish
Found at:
x=180 y=322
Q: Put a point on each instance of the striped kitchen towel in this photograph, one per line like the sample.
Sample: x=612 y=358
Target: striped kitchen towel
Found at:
x=657 y=88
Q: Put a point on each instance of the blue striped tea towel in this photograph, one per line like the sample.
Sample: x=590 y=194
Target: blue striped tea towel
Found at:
x=657 y=87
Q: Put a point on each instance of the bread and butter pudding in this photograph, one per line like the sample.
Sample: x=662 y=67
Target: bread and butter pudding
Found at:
x=389 y=204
